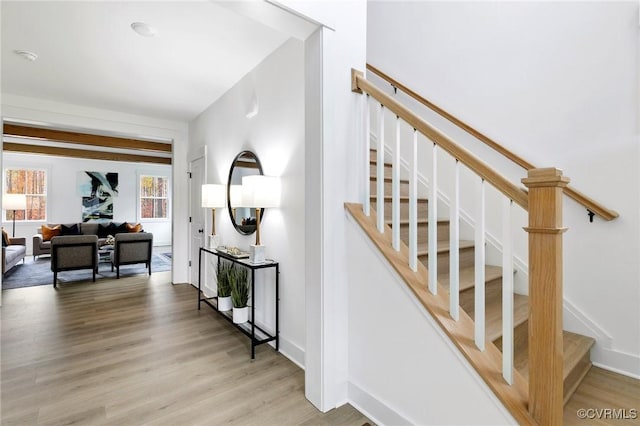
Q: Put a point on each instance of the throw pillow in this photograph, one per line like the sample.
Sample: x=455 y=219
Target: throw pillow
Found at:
x=49 y=232
x=105 y=230
x=134 y=228
x=5 y=238
x=122 y=228
x=70 y=230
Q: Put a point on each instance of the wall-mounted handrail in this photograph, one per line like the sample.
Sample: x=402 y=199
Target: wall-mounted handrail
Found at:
x=502 y=184
x=590 y=204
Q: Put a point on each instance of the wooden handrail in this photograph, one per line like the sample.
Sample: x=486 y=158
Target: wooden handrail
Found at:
x=502 y=184
x=588 y=203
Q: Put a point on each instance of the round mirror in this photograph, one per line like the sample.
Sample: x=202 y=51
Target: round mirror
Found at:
x=243 y=218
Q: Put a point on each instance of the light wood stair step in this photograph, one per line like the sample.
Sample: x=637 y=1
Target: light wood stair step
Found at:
x=466 y=253
x=388 y=180
x=576 y=360
x=423 y=230
x=468 y=274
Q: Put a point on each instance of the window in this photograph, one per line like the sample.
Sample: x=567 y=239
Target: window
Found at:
x=153 y=197
x=32 y=183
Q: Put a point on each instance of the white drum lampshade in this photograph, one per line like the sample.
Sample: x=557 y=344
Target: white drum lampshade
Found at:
x=214 y=196
x=14 y=202
x=260 y=192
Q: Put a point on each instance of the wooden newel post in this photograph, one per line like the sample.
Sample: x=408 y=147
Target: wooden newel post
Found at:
x=545 y=294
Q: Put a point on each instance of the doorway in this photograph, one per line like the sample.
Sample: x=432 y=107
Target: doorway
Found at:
x=197 y=174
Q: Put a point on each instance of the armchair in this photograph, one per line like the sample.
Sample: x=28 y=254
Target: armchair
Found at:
x=71 y=252
x=132 y=248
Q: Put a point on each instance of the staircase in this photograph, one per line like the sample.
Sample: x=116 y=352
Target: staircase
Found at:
x=576 y=360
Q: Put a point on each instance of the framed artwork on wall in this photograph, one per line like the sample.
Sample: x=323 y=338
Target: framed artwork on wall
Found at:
x=97 y=190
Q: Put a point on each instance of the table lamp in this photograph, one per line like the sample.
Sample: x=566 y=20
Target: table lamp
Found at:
x=213 y=196
x=14 y=202
x=259 y=192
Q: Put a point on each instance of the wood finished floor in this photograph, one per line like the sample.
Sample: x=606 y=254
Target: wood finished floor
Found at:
x=137 y=351
x=602 y=390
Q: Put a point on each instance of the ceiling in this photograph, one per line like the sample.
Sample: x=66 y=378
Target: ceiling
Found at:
x=89 y=55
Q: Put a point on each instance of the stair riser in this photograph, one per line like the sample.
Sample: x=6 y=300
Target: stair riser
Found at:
x=423 y=232
x=573 y=380
x=492 y=294
x=373 y=171
x=404 y=210
x=388 y=188
x=466 y=259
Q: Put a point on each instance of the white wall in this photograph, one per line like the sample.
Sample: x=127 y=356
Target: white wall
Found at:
x=557 y=84
x=402 y=368
x=79 y=117
x=64 y=204
x=276 y=136
x=333 y=131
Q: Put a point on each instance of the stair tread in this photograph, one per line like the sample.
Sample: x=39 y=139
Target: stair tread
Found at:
x=387 y=179
x=403 y=198
x=420 y=221
x=443 y=246
x=575 y=346
x=468 y=274
x=493 y=315
x=375 y=162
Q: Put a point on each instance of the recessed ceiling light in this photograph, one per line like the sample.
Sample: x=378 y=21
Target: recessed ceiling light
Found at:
x=144 y=29
x=29 y=56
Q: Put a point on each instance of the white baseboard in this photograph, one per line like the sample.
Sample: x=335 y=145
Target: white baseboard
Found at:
x=292 y=351
x=379 y=412
x=603 y=354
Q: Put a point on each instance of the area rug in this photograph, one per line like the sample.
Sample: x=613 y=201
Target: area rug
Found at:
x=39 y=272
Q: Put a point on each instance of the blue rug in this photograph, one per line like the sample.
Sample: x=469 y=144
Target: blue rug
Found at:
x=39 y=272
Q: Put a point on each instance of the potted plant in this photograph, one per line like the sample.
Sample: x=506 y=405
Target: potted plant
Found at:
x=224 y=287
x=239 y=294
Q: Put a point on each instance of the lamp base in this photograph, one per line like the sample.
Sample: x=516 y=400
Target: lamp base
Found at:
x=256 y=254
x=214 y=241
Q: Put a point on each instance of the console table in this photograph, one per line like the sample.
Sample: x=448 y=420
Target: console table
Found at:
x=257 y=335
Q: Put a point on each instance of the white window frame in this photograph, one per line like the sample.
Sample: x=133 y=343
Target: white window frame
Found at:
x=149 y=173
x=47 y=178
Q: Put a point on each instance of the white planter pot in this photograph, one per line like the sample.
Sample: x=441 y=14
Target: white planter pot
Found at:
x=224 y=304
x=240 y=315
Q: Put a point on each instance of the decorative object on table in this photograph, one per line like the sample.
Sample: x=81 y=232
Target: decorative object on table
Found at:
x=213 y=196
x=260 y=192
x=246 y=163
x=224 y=287
x=110 y=240
x=238 y=279
x=14 y=202
x=234 y=252
x=97 y=190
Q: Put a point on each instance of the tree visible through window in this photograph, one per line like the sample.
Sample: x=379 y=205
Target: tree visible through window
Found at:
x=32 y=183
x=153 y=197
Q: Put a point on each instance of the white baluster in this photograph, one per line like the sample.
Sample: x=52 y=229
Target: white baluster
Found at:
x=507 y=293
x=433 y=223
x=367 y=157
x=380 y=170
x=395 y=192
x=454 y=247
x=479 y=270
x=413 y=205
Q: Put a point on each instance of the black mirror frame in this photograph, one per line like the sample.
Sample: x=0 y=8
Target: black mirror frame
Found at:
x=233 y=165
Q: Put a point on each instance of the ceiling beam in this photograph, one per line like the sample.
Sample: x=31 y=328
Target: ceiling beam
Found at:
x=83 y=153
x=20 y=131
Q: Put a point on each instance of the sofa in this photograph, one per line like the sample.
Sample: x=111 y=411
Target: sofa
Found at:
x=13 y=253
x=42 y=245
